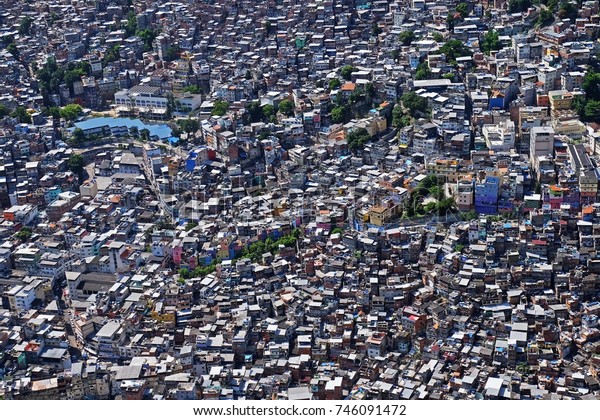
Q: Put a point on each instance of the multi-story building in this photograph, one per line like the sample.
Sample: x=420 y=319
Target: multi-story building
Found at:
x=560 y=100
x=109 y=338
x=541 y=142
x=547 y=76
x=152 y=100
x=65 y=202
x=572 y=80
x=499 y=137
x=486 y=195
x=23 y=214
x=464 y=194
x=448 y=169
x=21 y=297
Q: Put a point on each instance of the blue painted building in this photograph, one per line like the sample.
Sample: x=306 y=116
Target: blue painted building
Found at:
x=486 y=195
x=122 y=127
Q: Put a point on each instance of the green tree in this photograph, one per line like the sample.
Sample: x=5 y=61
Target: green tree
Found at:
x=406 y=38
x=523 y=368
x=54 y=17
x=145 y=134
x=172 y=53
x=405 y=121
x=423 y=72
x=338 y=114
x=269 y=111
x=453 y=49
x=147 y=36
x=346 y=72
x=470 y=215
x=193 y=89
x=76 y=163
x=220 y=108
x=337 y=230
x=450 y=21
x=414 y=103
x=22 y=114
x=72 y=76
x=78 y=136
x=591 y=111
x=8 y=39
x=171 y=104
x=376 y=29
x=437 y=192
x=445 y=205
x=53 y=112
x=25 y=26
x=430 y=207
x=438 y=37
x=4 y=111
x=248 y=75
x=267 y=26
x=83 y=67
x=490 y=42
x=131 y=24
x=591 y=85
x=518 y=6
x=24 y=234
x=70 y=112
x=399 y=118
x=190 y=225
x=568 y=10
x=544 y=18
x=111 y=54
x=370 y=90
x=189 y=125
x=357 y=96
x=428 y=182
x=13 y=50
x=578 y=104
x=254 y=112
x=334 y=84
x=357 y=139
x=286 y=107
x=463 y=9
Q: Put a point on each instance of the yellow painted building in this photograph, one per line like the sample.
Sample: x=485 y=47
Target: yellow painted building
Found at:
x=380 y=215
x=560 y=100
